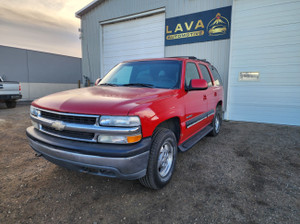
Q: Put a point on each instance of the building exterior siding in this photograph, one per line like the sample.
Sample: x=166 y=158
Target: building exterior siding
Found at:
x=265 y=39
x=91 y=32
x=39 y=73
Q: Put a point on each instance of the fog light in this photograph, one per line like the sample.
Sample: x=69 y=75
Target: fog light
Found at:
x=119 y=139
x=35 y=125
x=112 y=139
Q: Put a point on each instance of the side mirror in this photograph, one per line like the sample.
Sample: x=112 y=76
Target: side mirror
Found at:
x=97 y=81
x=198 y=84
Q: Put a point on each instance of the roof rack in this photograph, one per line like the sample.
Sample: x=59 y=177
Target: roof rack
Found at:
x=191 y=57
x=187 y=57
x=204 y=60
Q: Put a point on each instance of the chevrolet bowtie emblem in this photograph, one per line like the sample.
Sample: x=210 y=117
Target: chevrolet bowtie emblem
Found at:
x=58 y=125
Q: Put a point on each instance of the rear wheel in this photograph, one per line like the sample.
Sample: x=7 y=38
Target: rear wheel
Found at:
x=217 y=121
x=162 y=159
x=11 y=103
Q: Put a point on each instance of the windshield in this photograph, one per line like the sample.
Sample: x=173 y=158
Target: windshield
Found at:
x=149 y=74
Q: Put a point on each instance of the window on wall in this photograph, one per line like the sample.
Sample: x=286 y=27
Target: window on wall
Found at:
x=205 y=74
x=217 y=78
x=191 y=72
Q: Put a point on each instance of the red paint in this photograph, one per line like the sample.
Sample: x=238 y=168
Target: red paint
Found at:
x=153 y=106
x=199 y=84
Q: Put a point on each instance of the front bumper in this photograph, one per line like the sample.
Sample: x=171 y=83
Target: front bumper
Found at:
x=120 y=161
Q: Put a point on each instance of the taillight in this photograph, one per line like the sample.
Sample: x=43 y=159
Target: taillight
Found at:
x=19 y=87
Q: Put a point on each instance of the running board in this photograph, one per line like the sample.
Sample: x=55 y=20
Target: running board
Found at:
x=196 y=138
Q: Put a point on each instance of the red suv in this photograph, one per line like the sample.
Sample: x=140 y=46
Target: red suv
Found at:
x=133 y=122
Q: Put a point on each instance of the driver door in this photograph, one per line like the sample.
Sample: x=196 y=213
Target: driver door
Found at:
x=195 y=103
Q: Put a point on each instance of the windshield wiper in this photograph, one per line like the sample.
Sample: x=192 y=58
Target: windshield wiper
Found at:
x=107 y=84
x=139 y=84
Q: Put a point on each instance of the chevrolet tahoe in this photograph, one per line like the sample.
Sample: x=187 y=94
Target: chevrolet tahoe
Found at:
x=133 y=122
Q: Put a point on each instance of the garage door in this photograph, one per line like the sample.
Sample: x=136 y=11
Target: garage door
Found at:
x=133 y=39
x=271 y=49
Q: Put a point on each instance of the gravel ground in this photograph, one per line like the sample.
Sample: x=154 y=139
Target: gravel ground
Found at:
x=249 y=173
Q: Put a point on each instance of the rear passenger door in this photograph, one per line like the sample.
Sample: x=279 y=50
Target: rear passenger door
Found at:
x=211 y=104
x=195 y=102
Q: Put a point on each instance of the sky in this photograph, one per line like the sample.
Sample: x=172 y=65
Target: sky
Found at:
x=42 y=25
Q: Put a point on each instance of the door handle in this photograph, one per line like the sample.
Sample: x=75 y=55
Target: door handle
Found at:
x=204 y=97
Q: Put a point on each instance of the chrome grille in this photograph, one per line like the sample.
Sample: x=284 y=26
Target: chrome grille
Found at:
x=79 y=127
x=74 y=126
x=69 y=134
x=69 y=118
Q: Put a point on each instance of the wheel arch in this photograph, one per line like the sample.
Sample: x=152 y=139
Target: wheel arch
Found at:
x=220 y=103
x=173 y=124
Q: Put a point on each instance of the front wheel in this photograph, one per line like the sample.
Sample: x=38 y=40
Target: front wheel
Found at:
x=162 y=159
x=217 y=121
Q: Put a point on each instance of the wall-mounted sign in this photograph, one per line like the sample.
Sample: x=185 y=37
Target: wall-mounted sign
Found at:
x=249 y=76
x=198 y=27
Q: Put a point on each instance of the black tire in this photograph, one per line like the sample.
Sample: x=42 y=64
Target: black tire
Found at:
x=163 y=149
x=217 y=122
x=11 y=103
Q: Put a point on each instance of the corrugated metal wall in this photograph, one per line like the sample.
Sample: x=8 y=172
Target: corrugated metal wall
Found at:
x=216 y=51
x=91 y=29
x=265 y=38
x=129 y=40
x=39 y=73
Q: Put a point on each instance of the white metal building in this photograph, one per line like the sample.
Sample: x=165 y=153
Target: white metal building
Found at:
x=266 y=39
x=259 y=59
x=39 y=73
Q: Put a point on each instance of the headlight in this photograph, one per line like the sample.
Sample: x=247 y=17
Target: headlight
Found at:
x=34 y=111
x=120 y=121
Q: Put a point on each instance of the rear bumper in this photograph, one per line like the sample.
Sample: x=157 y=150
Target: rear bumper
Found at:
x=10 y=97
x=123 y=165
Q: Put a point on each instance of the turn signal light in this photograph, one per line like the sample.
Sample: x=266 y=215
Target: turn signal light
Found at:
x=133 y=139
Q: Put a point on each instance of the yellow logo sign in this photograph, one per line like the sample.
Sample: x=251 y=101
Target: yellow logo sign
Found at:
x=187 y=27
x=218 y=26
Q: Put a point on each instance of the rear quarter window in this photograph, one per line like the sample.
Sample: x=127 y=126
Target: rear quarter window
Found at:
x=205 y=74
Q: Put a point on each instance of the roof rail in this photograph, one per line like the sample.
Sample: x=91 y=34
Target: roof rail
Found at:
x=204 y=60
x=187 y=57
x=191 y=57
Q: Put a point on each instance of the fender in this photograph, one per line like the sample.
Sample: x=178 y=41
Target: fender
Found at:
x=154 y=113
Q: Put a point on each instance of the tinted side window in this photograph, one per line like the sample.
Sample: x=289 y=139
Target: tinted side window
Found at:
x=191 y=72
x=217 y=77
x=205 y=74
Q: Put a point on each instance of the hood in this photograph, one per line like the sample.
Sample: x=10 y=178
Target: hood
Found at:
x=101 y=100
